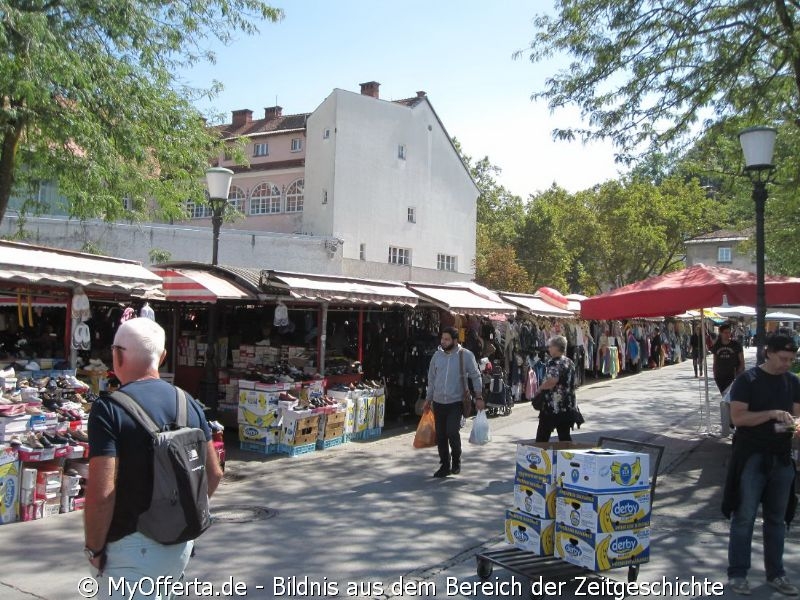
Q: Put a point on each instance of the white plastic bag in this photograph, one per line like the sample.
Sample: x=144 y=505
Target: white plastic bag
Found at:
x=480 y=430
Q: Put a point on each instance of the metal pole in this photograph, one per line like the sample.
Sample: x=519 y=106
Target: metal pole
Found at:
x=323 y=338
x=211 y=387
x=760 y=199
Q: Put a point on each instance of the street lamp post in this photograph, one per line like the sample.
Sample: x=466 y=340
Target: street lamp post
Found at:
x=758 y=144
x=218 y=181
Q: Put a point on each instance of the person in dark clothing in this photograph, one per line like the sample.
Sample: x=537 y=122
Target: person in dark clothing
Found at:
x=728 y=358
x=696 y=349
x=446 y=385
x=656 y=349
x=764 y=403
x=559 y=393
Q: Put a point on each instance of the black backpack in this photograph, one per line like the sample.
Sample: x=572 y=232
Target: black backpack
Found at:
x=178 y=510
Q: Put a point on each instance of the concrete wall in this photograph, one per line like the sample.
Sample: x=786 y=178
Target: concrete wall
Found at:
x=708 y=252
x=321 y=194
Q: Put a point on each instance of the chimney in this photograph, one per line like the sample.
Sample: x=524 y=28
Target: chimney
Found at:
x=273 y=112
x=421 y=94
x=242 y=117
x=370 y=88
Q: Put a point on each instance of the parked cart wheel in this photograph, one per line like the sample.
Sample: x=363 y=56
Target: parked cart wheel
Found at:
x=633 y=573
x=485 y=568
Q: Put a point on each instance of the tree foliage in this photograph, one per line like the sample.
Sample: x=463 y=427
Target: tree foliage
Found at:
x=650 y=73
x=89 y=98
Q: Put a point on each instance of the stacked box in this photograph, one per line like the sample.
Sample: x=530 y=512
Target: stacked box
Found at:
x=534 y=495
x=299 y=428
x=380 y=410
x=529 y=533
x=9 y=484
x=540 y=458
x=258 y=415
x=331 y=425
x=361 y=411
x=603 y=510
x=70 y=489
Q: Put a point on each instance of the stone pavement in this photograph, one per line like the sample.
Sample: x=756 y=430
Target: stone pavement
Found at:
x=359 y=519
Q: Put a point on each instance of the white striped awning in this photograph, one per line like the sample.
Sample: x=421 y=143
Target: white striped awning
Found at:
x=330 y=288
x=194 y=285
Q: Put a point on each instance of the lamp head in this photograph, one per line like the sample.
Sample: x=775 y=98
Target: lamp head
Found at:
x=758 y=144
x=218 y=181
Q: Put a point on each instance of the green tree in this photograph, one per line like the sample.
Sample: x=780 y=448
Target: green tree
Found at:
x=497 y=268
x=89 y=98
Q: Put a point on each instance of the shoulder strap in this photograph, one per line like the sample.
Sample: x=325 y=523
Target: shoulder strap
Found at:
x=136 y=411
x=182 y=419
x=461 y=368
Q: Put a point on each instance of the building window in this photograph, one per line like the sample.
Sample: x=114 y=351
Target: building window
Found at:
x=127 y=204
x=326 y=134
x=445 y=262
x=399 y=256
x=294 y=196
x=412 y=214
x=362 y=252
x=261 y=149
x=324 y=196
x=265 y=199
x=401 y=152
x=297 y=144
x=195 y=210
x=236 y=198
x=724 y=254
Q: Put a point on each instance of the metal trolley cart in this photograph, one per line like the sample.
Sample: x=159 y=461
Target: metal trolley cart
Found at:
x=552 y=568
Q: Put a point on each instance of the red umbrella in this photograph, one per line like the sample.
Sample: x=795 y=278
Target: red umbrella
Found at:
x=698 y=286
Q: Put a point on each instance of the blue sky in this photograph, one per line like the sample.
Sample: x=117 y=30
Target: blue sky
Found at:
x=458 y=51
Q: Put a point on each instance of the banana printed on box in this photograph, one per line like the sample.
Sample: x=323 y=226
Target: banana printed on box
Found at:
x=602 y=551
x=530 y=533
x=604 y=470
x=603 y=513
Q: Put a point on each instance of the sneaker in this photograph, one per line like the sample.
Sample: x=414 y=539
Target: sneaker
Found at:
x=739 y=585
x=442 y=472
x=456 y=469
x=783 y=586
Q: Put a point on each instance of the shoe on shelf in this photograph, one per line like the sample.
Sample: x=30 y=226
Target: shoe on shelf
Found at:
x=78 y=435
x=32 y=442
x=442 y=472
x=739 y=585
x=783 y=586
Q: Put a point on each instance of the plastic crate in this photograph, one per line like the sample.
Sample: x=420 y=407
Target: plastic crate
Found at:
x=259 y=448
x=325 y=444
x=296 y=450
x=349 y=436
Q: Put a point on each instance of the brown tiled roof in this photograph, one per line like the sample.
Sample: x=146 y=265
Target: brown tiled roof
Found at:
x=266 y=166
x=725 y=234
x=257 y=126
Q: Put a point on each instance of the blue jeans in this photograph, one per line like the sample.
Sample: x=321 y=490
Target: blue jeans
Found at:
x=766 y=480
x=135 y=558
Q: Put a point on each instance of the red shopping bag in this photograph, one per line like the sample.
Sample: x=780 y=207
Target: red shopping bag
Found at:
x=426 y=431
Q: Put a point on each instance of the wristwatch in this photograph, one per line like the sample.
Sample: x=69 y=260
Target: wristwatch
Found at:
x=91 y=554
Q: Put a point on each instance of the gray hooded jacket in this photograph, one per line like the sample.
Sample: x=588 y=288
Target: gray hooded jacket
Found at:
x=444 y=377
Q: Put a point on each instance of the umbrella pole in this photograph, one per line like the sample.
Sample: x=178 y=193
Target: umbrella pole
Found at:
x=705 y=371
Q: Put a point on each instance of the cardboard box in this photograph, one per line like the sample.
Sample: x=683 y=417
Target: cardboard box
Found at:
x=48 y=484
x=602 y=551
x=529 y=533
x=8 y=455
x=534 y=495
x=51 y=507
x=380 y=403
x=31 y=512
x=259 y=435
x=255 y=416
x=350 y=416
x=540 y=458
x=603 y=513
x=603 y=470
x=9 y=492
x=361 y=411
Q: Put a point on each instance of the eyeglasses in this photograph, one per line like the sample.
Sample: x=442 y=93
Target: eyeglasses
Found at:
x=120 y=348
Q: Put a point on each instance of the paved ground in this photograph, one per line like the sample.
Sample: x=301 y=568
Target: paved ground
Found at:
x=367 y=515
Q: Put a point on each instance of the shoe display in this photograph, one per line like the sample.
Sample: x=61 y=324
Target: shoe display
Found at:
x=739 y=586
x=32 y=441
x=45 y=443
x=79 y=435
x=783 y=586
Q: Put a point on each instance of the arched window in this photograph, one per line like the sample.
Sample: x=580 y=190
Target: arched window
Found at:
x=294 y=196
x=265 y=199
x=236 y=198
x=196 y=210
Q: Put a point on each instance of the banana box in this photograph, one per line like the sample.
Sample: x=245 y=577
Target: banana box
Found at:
x=530 y=533
x=259 y=435
x=9 y=492
x=602 y=551
x=350 y=415
x=372 y=411
x=603 y=513
x=258 y=400
x=540 y=457
x=361 y=413
x=255 y=416
x=534 y=495
x=380 y=410
x=602 y=470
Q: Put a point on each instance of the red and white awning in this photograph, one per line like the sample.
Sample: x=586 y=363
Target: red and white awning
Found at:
x=194 y=285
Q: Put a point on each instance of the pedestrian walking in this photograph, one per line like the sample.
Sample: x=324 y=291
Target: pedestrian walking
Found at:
x=452 y=369
x=728 y=358
x=121 y=464
x=656 y=349
x=696 y=350
x=764 y=402
x=558 y=393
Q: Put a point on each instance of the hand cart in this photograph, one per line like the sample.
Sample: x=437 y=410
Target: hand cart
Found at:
x=552 y=568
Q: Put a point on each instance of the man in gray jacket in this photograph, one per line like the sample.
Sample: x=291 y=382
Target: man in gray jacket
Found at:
x=446 y=386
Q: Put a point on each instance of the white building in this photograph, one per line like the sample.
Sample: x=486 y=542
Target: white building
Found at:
x=361 y=187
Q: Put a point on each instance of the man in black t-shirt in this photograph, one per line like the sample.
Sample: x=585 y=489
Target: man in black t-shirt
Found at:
x=764 y=403
x=728 y=358
x=120 y=463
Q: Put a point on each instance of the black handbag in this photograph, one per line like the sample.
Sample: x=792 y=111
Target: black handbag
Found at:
x=538 y=401
x=577 y=417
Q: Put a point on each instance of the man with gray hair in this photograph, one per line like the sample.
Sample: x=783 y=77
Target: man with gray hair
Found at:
x=120 y=478
x=558 y=391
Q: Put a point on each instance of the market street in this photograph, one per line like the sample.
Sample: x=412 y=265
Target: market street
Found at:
x=369 y=513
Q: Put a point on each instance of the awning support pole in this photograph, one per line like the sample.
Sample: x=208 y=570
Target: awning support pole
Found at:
x=323 y=337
